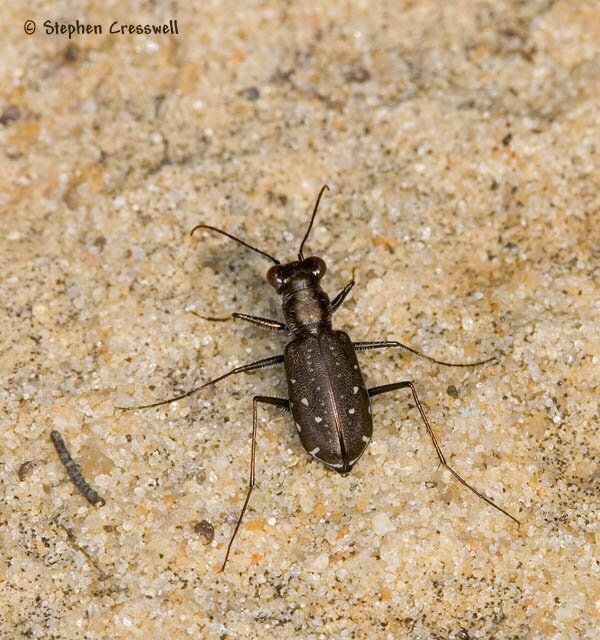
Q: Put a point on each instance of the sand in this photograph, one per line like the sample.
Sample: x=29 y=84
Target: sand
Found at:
x=460 y=144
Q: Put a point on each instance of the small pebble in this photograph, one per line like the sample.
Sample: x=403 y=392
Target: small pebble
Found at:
x=252 y=94
x=205 y=530
x=382 y=524
x=26 y=469
x=10 y=114
x=319 y=562
x=452 y=391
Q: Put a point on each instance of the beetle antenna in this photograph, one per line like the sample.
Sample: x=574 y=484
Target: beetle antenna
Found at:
x=245 y=244
x=314 y=213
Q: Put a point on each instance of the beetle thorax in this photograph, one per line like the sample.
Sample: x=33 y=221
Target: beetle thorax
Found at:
x=306 y=307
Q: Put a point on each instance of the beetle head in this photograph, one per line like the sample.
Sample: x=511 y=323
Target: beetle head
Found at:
x=296 y=275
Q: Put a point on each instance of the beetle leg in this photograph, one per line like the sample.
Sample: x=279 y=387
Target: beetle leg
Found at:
x=337 y=302
x=278 y=402
x=385 y=344
x=259 y=364
x=263 y=322
x=408 y=384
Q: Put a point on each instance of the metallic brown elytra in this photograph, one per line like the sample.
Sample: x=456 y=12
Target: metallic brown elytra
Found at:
x=327 y=394
x=328 y=397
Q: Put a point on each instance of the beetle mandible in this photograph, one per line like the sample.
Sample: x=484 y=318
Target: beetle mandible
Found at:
x=327 y=395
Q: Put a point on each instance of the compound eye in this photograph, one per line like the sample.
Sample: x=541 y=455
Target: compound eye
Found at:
x=317 y=266
x=273 y=276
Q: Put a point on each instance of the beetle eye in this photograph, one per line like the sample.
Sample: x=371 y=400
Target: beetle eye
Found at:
x=273 y=276
x=317 y=266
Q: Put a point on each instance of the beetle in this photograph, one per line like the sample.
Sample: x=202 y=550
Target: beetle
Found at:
x=327 y=395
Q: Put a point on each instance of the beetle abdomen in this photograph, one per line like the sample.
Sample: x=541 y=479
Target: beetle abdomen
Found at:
x=329 y=398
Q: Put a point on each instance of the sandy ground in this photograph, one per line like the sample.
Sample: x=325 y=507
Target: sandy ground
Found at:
x=460 y=142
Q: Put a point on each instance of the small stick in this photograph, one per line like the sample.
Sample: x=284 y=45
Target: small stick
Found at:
x=86 y=553
x=74 y=471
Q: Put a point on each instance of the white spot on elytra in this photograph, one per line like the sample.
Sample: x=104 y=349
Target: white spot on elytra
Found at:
x=315 y=451
x=293 y=380
x=355 y=390
x=298 y=427
x=318 y=419
x=369 y=409
x=355 y=366
x=351 y=412
x=304 y=401
x=366 y=439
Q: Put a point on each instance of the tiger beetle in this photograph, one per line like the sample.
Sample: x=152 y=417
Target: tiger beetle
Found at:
x=327 y=395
